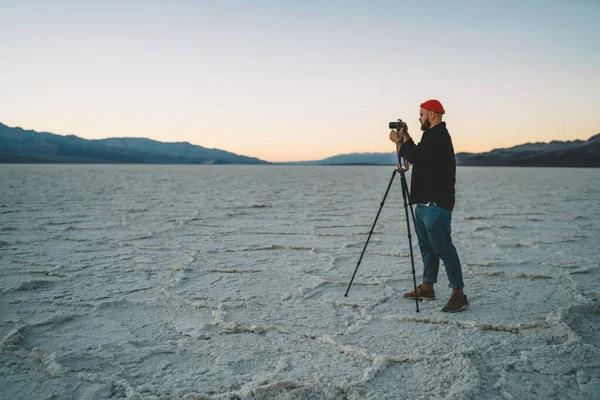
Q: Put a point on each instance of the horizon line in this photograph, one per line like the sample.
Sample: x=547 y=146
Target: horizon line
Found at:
x=289 y=161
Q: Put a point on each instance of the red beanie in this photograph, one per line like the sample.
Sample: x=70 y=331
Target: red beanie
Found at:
x=433 y=105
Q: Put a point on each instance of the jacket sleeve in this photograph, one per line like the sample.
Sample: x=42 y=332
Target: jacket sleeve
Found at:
x=410 y=151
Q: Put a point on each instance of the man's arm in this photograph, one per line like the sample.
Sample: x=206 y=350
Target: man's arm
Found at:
x=408 y=149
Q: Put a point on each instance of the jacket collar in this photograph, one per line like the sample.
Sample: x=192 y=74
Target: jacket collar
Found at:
x=440 y=126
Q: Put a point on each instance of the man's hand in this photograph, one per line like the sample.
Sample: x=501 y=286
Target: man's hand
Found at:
x=401 y=135
x=394 y=136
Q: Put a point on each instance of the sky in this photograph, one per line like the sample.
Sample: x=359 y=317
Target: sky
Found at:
x=301 y=80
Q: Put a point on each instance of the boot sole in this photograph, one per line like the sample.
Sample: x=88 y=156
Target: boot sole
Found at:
x=463 y=308
x=420 y=298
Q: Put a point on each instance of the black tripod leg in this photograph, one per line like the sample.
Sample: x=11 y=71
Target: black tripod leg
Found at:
x=412 y=212
x=371 y=232
x=405 y=195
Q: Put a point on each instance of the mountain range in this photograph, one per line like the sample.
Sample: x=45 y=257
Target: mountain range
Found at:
x=577 y=153
x=26 y=146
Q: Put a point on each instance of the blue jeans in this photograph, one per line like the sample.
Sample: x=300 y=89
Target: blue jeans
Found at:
x=433 y=231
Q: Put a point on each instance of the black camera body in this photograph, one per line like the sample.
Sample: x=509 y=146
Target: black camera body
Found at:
x=397 y=125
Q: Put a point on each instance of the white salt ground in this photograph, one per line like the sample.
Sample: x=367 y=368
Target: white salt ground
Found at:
x=227 y=282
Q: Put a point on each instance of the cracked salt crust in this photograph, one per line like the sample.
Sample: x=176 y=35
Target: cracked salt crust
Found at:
x=205 y=282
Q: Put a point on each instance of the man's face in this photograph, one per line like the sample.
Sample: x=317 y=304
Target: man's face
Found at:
x=424 y=119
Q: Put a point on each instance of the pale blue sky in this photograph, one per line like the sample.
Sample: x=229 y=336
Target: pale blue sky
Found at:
x=298 y=80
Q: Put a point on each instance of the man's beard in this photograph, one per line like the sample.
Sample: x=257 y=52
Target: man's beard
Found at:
x=425 y=125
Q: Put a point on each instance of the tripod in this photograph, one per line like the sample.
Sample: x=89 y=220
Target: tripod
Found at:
x=402 y=168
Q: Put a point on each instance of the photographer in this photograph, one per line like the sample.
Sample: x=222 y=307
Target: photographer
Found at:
x=432 y=190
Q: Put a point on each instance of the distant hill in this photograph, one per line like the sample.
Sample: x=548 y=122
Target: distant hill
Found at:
x=23 y=146
x=353 y=159
x=578 y=153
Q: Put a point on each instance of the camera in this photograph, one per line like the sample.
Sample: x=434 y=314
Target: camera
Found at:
x=397 y=125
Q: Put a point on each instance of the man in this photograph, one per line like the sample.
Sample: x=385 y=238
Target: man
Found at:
x=432 y=190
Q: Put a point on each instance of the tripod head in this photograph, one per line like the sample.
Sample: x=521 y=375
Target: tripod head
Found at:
x=402 y=163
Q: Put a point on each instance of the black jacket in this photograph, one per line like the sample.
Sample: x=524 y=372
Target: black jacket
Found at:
x=434 y=167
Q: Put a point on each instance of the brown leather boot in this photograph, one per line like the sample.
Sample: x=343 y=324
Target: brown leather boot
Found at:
x=456 y=303
x=423 y=293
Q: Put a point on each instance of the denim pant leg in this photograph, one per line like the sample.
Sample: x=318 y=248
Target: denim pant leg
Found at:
x=437 y=222
x=431 y=262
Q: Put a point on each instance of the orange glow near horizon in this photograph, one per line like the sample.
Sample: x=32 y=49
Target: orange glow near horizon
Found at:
x=296 y=82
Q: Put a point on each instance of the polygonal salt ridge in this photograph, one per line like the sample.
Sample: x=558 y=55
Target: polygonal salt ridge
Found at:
x=583 y=321
x=228 y=327
x=33 y=284
x=465 y=386
x=13 y=339
x=287 y=389
x=484 y=326
x=48 y=360
x=312 y=291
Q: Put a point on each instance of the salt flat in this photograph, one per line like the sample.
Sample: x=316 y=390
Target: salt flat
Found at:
x=219 y=282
